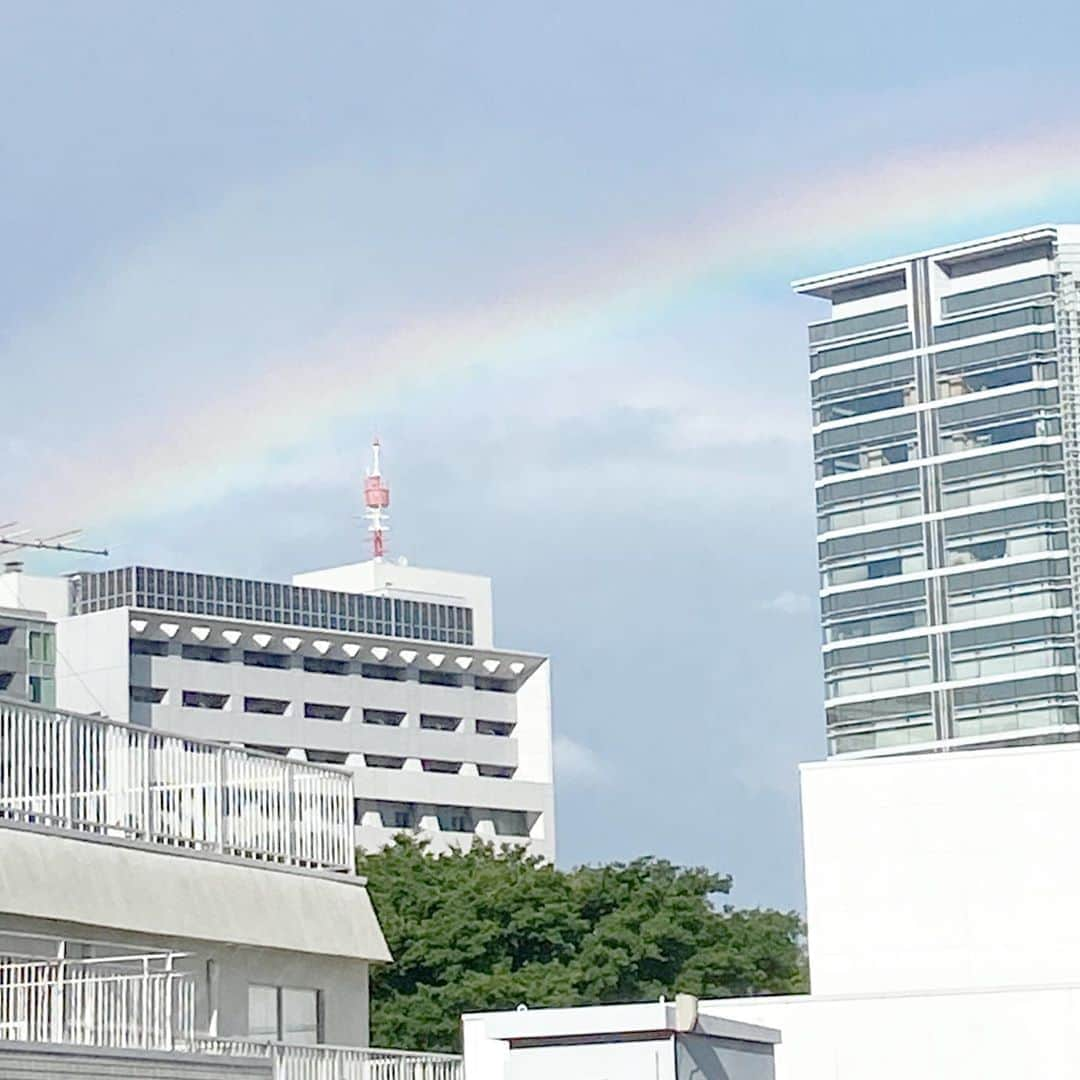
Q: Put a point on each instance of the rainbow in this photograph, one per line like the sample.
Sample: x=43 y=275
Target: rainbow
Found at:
x=798 y=226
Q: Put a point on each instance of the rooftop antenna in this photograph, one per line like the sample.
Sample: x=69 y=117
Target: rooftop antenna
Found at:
x=376 y=500
x=23 y=539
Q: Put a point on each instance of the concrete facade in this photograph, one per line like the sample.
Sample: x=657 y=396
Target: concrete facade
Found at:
x=449 y=741
x=236 y=924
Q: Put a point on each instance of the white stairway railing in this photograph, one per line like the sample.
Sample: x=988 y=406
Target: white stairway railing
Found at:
x=95 y=775
x=340 y=1062
x=139 y=1004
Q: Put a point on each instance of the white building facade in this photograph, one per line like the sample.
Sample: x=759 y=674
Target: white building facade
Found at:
x=388 y=670
x=948 y=494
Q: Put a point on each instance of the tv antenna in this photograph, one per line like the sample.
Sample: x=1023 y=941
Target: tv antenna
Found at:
x=376 y=500
x=15 y=539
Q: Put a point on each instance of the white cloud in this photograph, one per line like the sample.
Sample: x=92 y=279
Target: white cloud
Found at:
x=577 y=764
x=791 y=603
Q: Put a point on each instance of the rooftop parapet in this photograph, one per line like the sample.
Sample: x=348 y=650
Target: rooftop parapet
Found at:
x=91 y=775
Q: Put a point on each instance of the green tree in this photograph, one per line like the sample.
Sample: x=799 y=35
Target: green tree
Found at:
x=488 y=930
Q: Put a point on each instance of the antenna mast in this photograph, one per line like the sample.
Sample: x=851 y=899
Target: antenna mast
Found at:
x=19 y=540
x=376 y=500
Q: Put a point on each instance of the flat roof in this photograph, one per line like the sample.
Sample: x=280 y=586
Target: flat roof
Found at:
x=824 y=282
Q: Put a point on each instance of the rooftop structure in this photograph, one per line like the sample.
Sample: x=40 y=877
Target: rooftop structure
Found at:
x=948 y=494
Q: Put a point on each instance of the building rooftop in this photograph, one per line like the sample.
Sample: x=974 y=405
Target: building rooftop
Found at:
x=822 y=285
x=272 y=602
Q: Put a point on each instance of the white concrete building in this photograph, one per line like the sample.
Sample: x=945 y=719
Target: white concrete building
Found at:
x=180 y=909
x=388 y=670
x=947 y=450
x=646 y=1041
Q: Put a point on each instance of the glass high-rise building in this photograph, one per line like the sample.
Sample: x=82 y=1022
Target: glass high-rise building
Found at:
x=947 y=453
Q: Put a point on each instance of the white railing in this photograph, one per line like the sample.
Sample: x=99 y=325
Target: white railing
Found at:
x=136 y=1003
x=293 y=1062
x=95 y=775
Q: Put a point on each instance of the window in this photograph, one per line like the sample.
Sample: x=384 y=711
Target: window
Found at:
x=198 y=699
x=441 y=766
x=209 y=653
x=42 y=690
x=267 y=659
x=997 y=294
x=863 y=350
x=147 y=695
x=314 y=710
x=383 y=717
x=510 y=822
x=383 y=761
x=499 y=686
x=42 y=646
x=455 y=819
x=990 y=324
x=285 y=1014
x=494 y=727
x=147 y=647
x=440 y=678
x=889 y=319
x=266 y=706
x=6 y=633
x=327 y=757
x=431 y=722
x=501 y=772
x=382 y=671
x=324 y=666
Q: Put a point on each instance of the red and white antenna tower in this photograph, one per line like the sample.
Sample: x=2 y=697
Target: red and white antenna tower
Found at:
x=376 y=500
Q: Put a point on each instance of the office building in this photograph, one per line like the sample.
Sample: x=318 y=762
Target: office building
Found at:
x=948 y=494
x=388 y=670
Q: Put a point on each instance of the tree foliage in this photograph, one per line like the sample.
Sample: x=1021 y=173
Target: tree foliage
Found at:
x=489 y=930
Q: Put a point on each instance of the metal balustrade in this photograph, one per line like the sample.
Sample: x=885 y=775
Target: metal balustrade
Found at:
x=131 y=1003
x=292 y=1062
x=98 y=776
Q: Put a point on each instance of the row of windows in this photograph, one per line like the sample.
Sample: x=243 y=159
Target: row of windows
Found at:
x=313 y=710
x=886 y=319
x=320 y=665
x=992 y=295
x=264 y=601
x=1012 y=705
x=389 y=814
x=862 y=350
x=995 y=592
x=990 y=324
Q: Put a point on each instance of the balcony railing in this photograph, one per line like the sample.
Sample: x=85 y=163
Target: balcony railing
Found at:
x=94 y=775
x=293 y=1062
x=133 y=1002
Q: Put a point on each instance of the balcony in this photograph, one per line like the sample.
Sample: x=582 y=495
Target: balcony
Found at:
x=121 y=1002
x=143 y=1002
x=92 y=775
x=292 y=1062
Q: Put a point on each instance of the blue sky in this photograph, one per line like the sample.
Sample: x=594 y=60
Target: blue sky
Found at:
x=544 y=251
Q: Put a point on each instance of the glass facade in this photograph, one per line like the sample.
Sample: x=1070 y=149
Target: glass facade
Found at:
x=273 y=602
x=944 y=435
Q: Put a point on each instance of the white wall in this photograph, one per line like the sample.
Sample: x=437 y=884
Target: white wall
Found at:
x=943 y=871
x=28 y=591
x=92 y=663
x=1004 y=1035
